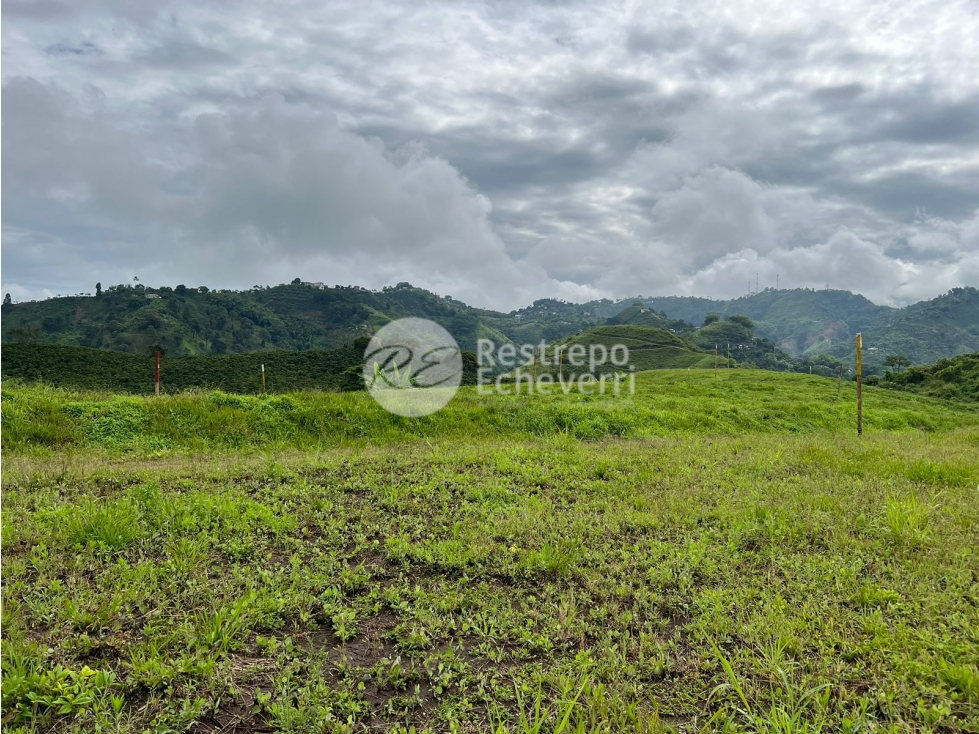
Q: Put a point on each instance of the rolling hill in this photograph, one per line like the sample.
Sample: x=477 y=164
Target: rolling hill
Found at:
x=650 y=348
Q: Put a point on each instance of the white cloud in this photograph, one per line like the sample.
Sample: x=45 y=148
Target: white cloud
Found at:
x=495 y=152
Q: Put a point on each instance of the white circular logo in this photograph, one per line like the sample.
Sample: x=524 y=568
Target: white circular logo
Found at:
x=412 y=367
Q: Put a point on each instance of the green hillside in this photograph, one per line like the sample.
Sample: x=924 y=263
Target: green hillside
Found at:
x=954 y=379
x=721 y=334
x=929 y=330
x=650 y=348
x=733 y=338
x=184 y=321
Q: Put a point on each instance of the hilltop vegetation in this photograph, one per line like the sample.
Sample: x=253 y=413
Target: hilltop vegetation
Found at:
x=715 y=554
x=639 y=315
x=185 y=321
x=801 y=323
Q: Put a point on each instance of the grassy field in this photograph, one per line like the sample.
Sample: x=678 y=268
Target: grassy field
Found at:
x=712 y=554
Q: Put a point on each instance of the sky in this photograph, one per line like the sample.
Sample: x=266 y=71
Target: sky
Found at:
x=497 y=152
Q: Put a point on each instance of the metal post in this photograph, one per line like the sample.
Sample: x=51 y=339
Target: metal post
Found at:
x=263 y=378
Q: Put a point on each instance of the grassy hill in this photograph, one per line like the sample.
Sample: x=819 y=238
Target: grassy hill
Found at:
x=650 y=348
x=713 y=554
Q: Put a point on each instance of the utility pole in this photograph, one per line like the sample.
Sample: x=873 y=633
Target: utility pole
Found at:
x=715 y=360
x=263 y=378
x=859 y=384
x=776 y=281
x=157 y=381
x=729 y=355
x=756 y=281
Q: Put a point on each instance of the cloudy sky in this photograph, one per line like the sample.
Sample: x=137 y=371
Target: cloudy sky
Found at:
x=498 y=152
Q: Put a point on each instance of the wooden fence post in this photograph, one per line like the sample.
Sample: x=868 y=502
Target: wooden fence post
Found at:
x=859 y=384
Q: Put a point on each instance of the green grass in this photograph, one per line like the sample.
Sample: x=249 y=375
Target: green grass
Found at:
x=715 y=554
x=39 y=420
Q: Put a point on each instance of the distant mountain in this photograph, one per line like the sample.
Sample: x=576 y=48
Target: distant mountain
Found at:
x=930 y=330
x=797 y=321
x=303 y=316
x=809 y=322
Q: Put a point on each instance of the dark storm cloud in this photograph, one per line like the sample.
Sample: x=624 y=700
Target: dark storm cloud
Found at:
x=497 y=151
x=67 y=49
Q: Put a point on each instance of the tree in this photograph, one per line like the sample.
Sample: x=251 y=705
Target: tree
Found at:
x=361 y=343
x=743 y=320
x=180 y=289
x=898 y=361
x=98 y=290
x=711 y=318
x=297 y=281
x=6 y=300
